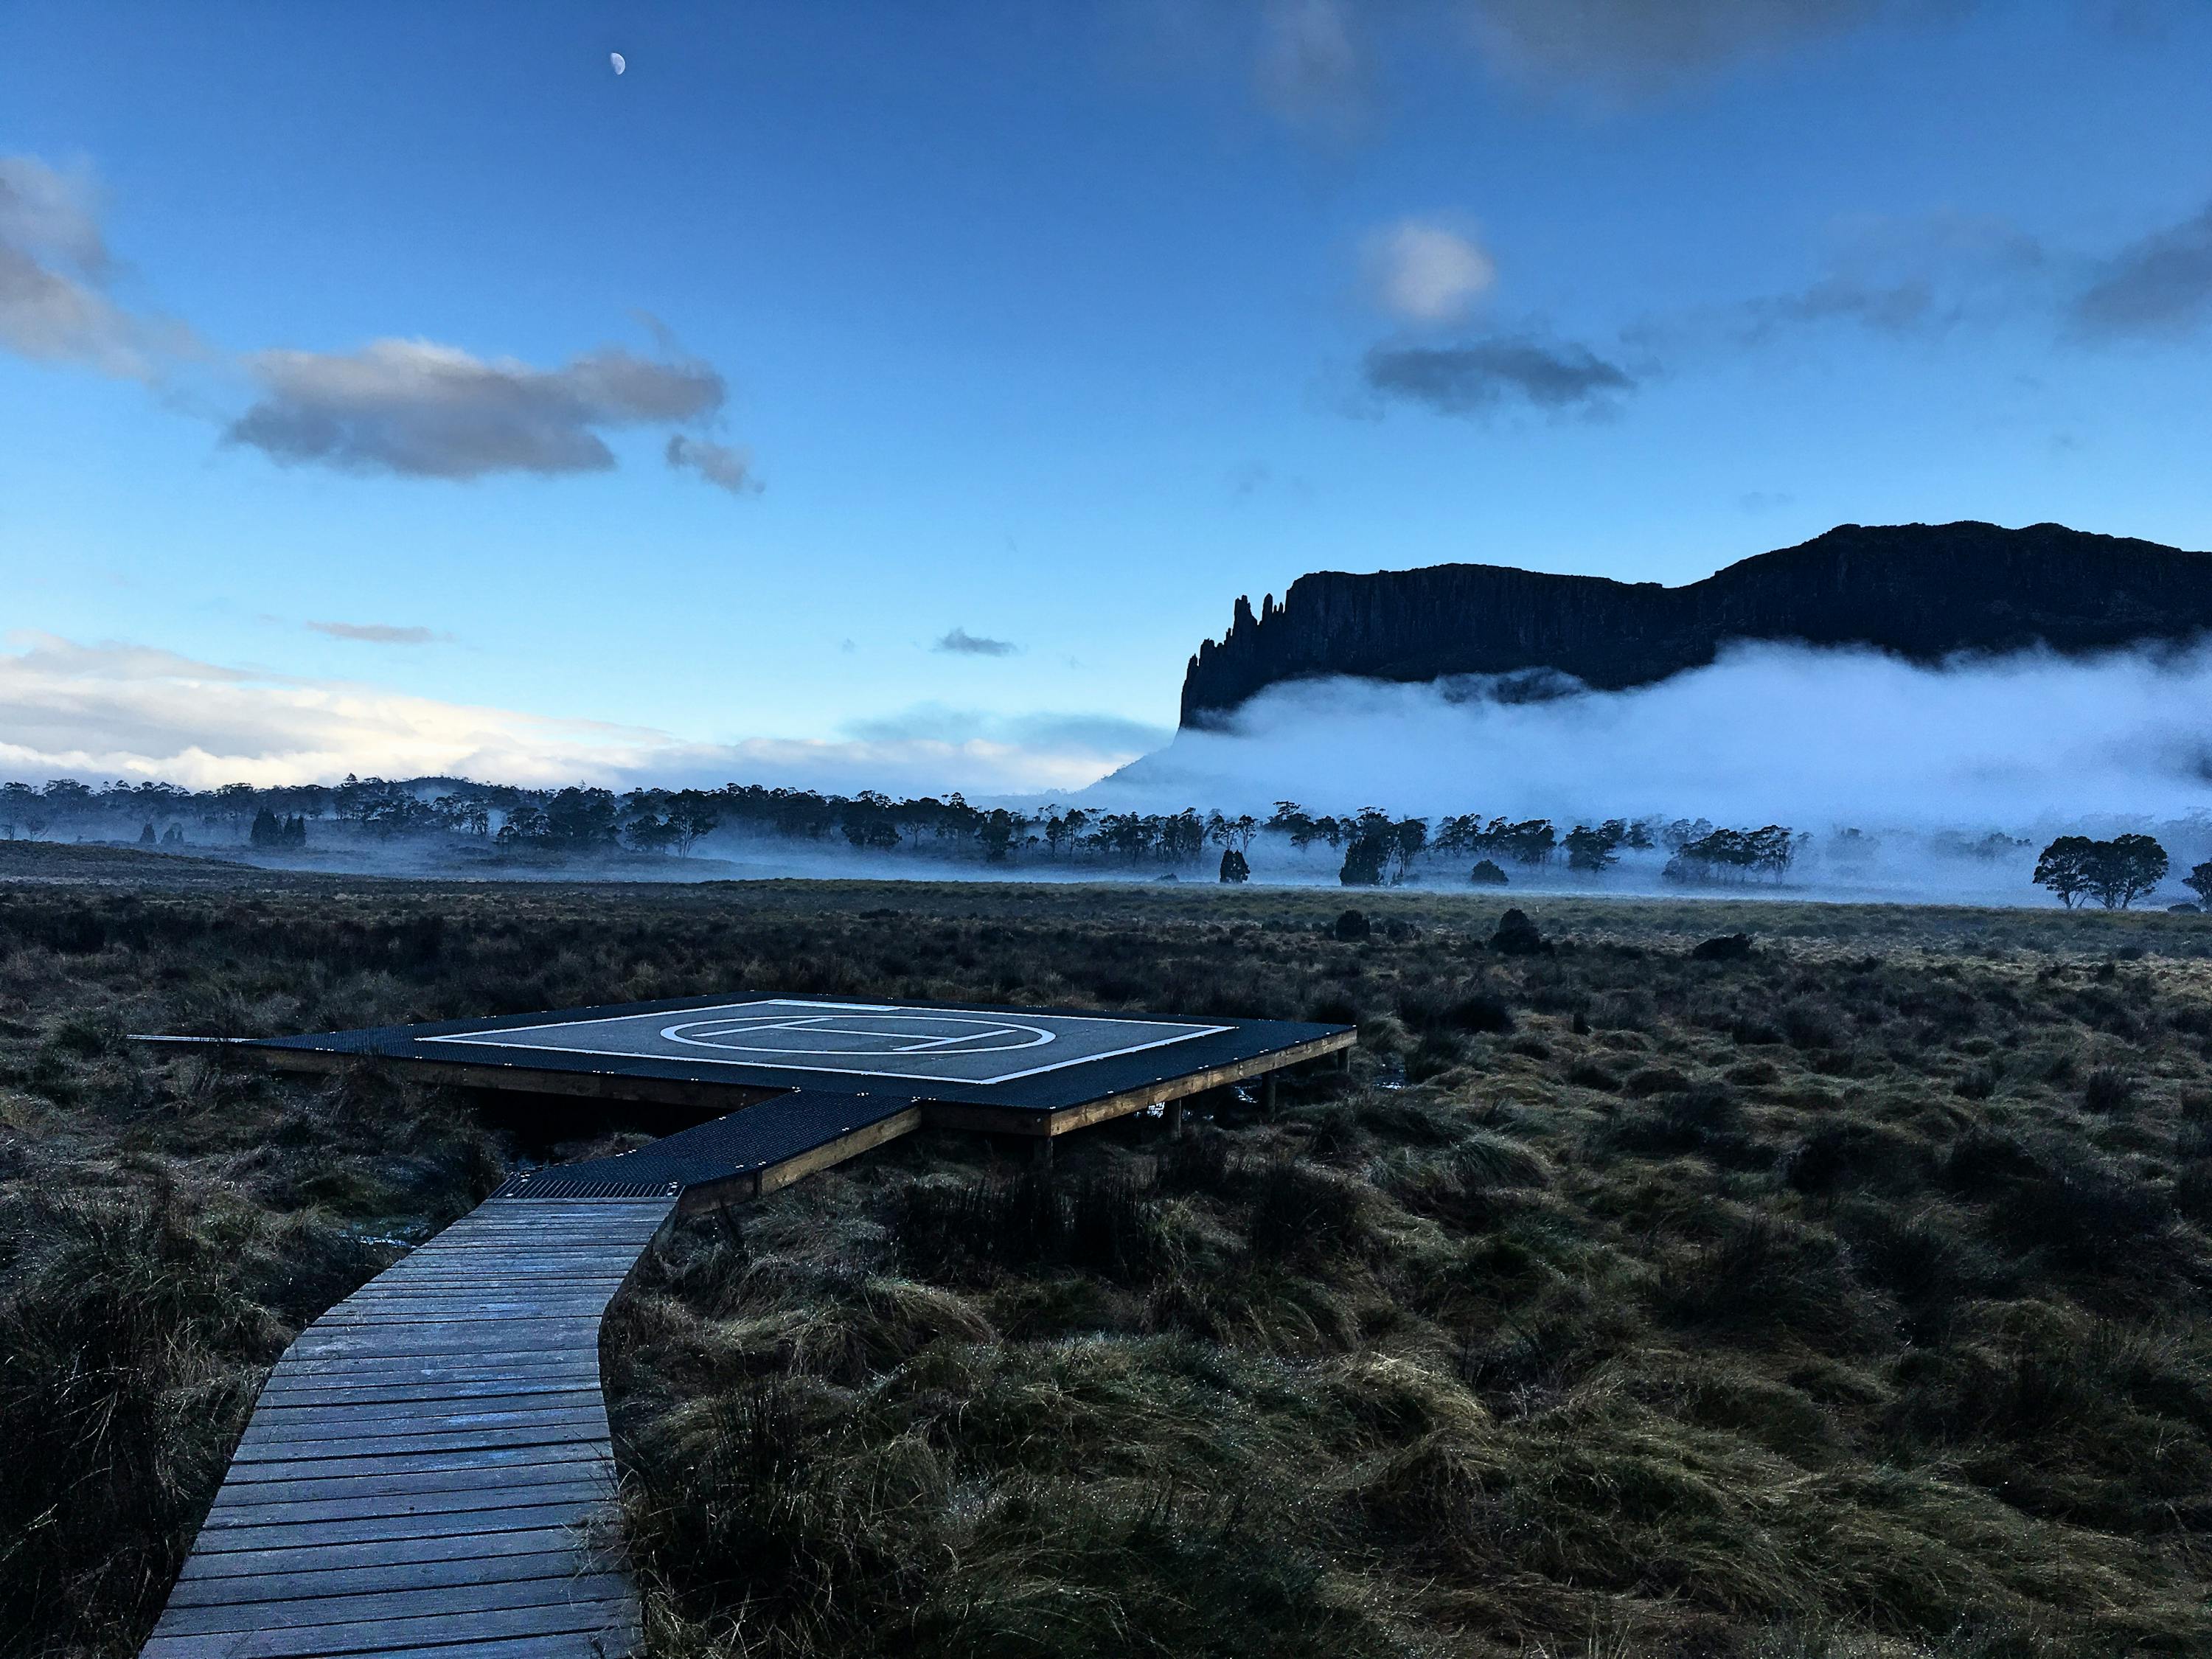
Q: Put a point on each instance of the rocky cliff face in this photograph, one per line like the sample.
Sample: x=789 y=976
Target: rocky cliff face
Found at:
x=1922 y=590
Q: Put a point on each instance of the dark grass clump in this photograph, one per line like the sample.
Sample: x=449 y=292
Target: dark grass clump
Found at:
x=1101 y=1223
x=1762 y=1275
x=132 y=1338
x=801 y=1524
x=1301 y=1213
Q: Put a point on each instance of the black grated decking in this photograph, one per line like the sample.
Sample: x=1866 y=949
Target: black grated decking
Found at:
x=752 y=1141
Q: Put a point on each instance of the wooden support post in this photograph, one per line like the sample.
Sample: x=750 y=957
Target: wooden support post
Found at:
x=1344 y=1060
x=1267 y=1097
x=1175 y=1118
x=1041 y=1152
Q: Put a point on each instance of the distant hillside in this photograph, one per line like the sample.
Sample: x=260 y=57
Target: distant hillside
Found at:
x=1922 y=590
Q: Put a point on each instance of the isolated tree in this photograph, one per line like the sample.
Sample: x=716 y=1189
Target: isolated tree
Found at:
x=1234 y=867
x=2063 y=867
x=2199 y=882
x=2122 y=870
x=1488 y=874
x=1363 y=862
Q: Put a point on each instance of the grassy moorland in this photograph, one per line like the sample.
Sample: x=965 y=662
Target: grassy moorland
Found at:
x=1845 y=1300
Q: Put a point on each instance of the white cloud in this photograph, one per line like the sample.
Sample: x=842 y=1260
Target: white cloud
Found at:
x=1424 y=271
x=124 y=711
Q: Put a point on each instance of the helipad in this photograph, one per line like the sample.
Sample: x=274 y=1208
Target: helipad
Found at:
x=1033 y=1070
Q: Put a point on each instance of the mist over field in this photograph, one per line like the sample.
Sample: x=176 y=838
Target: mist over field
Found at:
x=1927 y=762
x=1897 y=781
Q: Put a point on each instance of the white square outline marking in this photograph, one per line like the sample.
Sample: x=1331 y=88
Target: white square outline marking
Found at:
x=493 y=1039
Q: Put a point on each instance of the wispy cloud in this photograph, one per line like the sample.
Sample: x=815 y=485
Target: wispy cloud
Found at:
x=2159 y=287
x=1476 y=377
x=55 y=273
x=721 y=465
x=1108 y=737
x=961 y=643
x=1618 y=48
x=1313 y=68
x=378 y=633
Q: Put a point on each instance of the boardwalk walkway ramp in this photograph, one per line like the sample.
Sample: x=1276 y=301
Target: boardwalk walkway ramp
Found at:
x=428 y=1470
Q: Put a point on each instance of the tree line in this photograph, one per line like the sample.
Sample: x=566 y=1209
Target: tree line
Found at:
x=1375 y=847
x=1378 y=849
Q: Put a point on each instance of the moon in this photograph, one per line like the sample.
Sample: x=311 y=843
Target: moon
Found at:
x=618 y=61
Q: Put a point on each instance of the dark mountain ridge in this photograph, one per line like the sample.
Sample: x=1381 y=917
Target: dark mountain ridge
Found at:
x=1924 y=592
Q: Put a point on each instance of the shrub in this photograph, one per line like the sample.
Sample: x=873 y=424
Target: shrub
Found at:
x=1809 y=1024
x=1516 y=936
x=2107 y=1089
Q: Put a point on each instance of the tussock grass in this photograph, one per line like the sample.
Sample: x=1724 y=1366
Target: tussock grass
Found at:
x=1845 y=1299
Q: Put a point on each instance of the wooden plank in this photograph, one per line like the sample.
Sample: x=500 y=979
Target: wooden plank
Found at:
x=395 y=1601
x=299 y=1581
x=396 y=1552
x=533 y=1363
x=497 y=1457
x=567 y=1497
x=349 y=1420
x=371 y=1398
x=360 y=1410
x=615 y=1617
x=568 y=1515
x=343 y=1417
x=569 y=1464
x=448 y=1489
x=572 y=1428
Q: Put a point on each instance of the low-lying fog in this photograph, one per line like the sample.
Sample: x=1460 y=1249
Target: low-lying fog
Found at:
x=1927 y=763
x=1899 y=782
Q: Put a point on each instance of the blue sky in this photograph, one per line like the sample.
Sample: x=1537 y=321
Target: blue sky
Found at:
x=1052 y=326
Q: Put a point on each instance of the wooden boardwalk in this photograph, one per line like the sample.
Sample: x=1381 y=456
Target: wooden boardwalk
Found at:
x=428 y=1470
